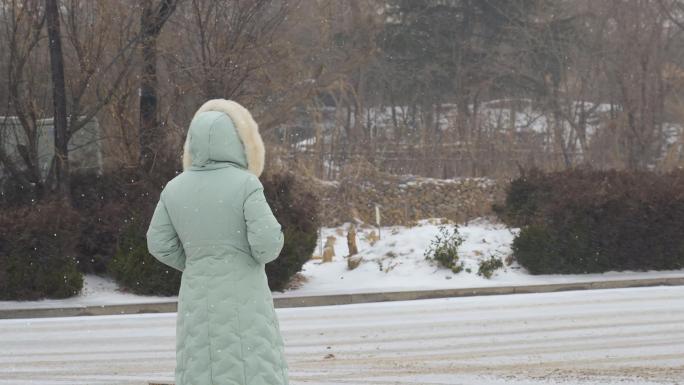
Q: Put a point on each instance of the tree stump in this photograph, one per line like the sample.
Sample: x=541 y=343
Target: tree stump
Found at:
x=329 y=249
x=351 y=241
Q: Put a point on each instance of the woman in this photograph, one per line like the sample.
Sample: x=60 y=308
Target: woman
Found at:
x=213 y=223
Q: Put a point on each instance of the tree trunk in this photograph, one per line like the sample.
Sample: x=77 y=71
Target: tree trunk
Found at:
x=58 y=99
x=151 y=22
x=149 y=123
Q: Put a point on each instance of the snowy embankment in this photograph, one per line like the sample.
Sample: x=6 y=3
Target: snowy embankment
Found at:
x=395 y=262
x=625 y=336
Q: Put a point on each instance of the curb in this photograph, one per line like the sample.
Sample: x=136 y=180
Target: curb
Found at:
x=345 y=299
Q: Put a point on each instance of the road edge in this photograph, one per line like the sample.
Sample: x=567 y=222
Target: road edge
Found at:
x=345 y=299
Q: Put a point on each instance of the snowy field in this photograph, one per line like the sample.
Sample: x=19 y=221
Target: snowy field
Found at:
x=395 y=262
x=620 y=336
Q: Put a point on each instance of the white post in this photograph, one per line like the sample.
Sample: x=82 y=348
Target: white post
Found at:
x=377 y=219
x=320 y=242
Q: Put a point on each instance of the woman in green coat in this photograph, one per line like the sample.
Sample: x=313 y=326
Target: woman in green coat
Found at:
x=213 y=223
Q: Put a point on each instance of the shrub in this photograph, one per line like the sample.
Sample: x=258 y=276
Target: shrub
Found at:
x=131 y=265
x=296 y=208
x=13 y=193
x=534 y=249
x=102 y=213
x=581 y=221
x=444 y=248
x=105 y=203
x=37 y=245
x=488 y=266
x=135 y=269
x=524 y=198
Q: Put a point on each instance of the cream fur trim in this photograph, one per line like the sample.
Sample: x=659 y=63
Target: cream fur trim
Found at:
x=247 y=130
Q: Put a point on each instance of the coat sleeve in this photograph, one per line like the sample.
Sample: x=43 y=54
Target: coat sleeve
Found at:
x=264 y=232
x=162 y=240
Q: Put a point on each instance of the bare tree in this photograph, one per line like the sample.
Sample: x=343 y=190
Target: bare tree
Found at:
x=97 y=57
x=24 y=21
x=640 y=40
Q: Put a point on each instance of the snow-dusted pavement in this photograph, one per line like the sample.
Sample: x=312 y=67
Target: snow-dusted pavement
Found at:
x=622 y=336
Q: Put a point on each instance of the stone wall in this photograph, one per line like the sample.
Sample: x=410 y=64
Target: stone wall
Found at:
x=404 y=199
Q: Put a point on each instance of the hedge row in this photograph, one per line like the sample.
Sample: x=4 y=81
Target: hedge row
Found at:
x=584 y=221
x=37 y=259
x=45 y=248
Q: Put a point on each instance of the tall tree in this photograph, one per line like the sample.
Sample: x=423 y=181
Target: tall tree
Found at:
x=152 y=21
x=58 y=99
x=439 y=51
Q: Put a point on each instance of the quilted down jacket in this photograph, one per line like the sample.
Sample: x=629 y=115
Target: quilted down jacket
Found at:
x=212 y=222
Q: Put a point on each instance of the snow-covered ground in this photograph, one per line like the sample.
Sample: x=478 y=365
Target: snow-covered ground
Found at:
x=97 y=291
x=395 y=262
x=620 y=336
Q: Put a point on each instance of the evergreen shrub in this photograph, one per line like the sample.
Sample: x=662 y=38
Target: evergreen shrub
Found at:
x=444 y=248
x=588 y=221
x=135 y=269
x=37 y=252
x=487 y=267
x=297 y=209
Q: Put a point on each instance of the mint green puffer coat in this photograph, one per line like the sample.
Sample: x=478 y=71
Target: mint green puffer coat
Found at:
x=213 y=223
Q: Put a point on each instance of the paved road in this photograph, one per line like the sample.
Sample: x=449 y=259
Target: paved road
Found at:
x=620 y=336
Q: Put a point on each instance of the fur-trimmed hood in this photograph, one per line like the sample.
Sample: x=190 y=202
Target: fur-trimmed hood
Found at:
x=224 y=131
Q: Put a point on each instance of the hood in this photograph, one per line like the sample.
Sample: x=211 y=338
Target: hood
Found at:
x=223 y=131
